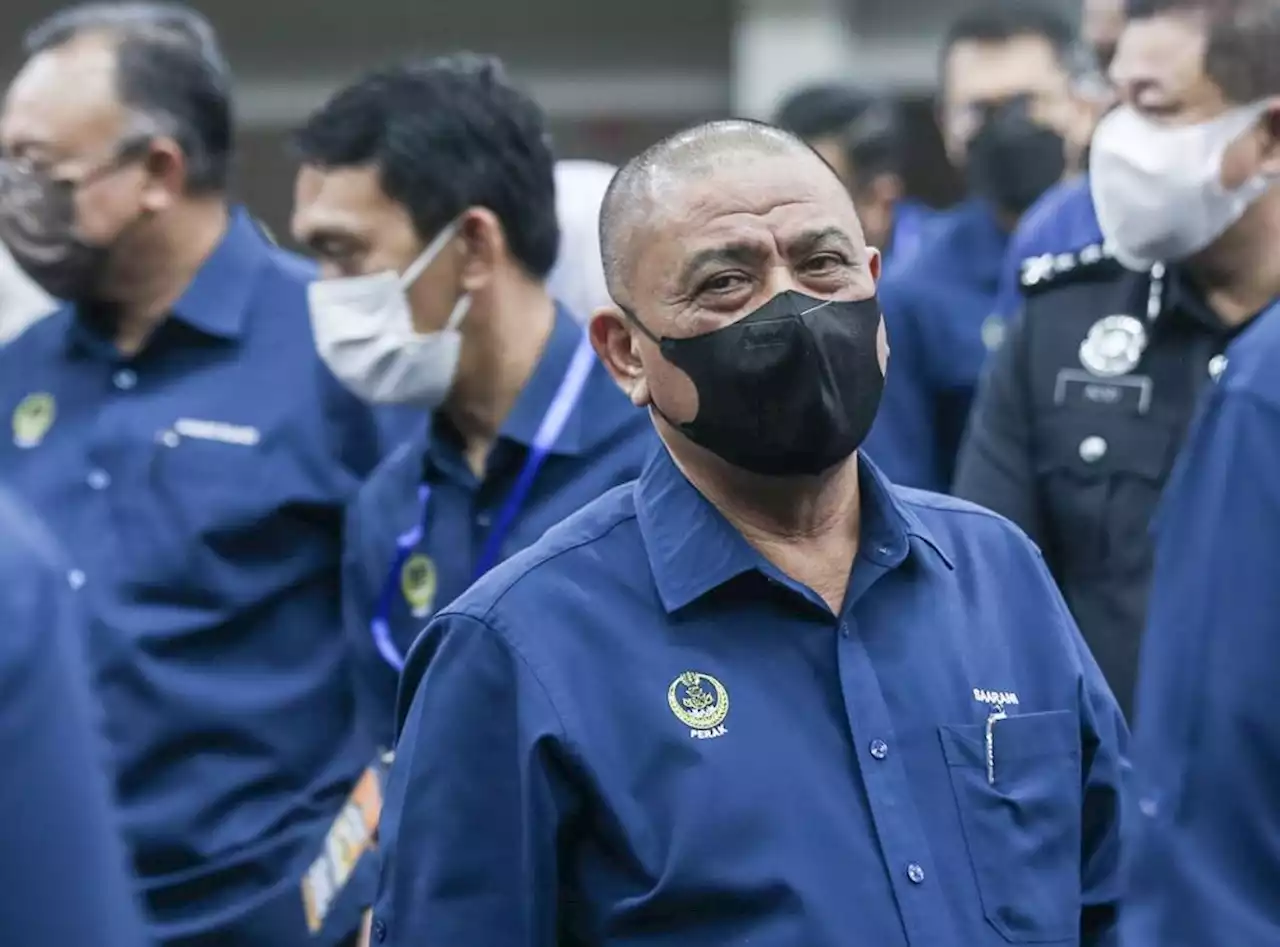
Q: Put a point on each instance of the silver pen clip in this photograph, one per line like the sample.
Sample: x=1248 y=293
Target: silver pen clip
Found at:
x=997 y=714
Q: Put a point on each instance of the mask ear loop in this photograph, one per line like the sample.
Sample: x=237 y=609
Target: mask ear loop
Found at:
x=424 y=260
x=428 y=256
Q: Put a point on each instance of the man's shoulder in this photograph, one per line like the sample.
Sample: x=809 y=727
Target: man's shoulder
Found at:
x=965 y=527
x=1252 y=360
x=568 y=558
x=286 y=272
x=395 y=480
x=38 y=338
x=1062 y=219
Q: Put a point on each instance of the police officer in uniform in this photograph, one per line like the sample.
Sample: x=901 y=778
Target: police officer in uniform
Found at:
x=1077 y=425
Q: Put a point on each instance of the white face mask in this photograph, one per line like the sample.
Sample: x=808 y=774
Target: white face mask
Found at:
x=364 y=332
x=1158 y=190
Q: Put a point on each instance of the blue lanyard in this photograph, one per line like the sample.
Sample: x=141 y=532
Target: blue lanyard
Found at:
x=549 y=430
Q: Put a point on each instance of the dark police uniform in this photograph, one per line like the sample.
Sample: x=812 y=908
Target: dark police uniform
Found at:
x=938 y=307
x=199 y=488
x=604 y=442
x=1206 y=853
x=1077 y=426
x=62 y=860
x=639 y=731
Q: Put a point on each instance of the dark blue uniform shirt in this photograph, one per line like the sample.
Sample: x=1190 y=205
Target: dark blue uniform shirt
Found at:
x=604 y=443
x=1061 y=221
x=640 y=732
x=61 y=856
x=198 y=488
x=1206 y=860
x=937 y=308
x=912 y=222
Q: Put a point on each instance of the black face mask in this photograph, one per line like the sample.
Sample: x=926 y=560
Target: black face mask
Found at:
x=791 y=389
x=1012 y=160
x=38 y=226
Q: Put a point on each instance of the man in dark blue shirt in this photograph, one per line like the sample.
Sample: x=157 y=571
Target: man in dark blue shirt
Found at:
x=436 y=179
x=61 y=856
x=1013 y=121
x=174 y=426
x=762 y=695
x=1185 y=170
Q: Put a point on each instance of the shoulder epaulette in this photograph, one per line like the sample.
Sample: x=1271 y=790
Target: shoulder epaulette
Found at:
x=1050 y=269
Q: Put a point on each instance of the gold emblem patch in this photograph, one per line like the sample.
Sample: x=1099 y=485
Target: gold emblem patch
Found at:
x=418 y=583
x=32 y=419
x=700 y=702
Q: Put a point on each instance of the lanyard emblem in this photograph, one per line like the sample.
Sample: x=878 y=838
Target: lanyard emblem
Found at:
x=415 y=574
x=418 y=583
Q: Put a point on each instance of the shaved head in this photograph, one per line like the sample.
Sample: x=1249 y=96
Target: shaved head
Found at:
x=639 y=197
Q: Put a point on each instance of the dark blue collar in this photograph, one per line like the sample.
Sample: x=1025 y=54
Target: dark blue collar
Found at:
x=540 y=390
x=693 y=549
x=216 y=303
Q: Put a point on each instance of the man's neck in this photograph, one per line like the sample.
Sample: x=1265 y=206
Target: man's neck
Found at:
x=151 y=278
x=808 y=527
x=1240 y=274
x=502 y=346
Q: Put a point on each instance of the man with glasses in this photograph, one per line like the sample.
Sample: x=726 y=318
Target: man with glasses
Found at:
x=173 y=425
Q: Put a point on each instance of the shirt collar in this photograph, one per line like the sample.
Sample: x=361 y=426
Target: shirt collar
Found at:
x=216 y=302
x=693 y=549
x=540 y=391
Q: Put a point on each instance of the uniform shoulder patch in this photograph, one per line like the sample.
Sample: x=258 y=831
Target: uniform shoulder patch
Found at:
x=1045 y=270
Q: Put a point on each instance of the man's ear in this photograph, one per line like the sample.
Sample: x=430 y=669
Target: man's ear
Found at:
x=1270 y=163
x=614 y=338
x=484 y=243
x=875 y=262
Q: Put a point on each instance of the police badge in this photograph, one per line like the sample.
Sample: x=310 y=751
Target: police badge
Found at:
x=1114 y=346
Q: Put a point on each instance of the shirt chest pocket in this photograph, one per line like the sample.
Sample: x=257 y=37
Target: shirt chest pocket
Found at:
x=1100 y=480
x=183 y=507
x=1021 y=821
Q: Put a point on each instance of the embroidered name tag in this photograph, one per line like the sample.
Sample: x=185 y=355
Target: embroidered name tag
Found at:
x=217 y=431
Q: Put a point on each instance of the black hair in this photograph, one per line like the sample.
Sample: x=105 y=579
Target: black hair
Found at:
x=169 y=71
x=1010 y=20
x=447 y=134
x=868 y=125
x=1242 y=37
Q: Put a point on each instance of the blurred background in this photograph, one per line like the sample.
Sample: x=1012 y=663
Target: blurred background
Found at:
x=612 y=76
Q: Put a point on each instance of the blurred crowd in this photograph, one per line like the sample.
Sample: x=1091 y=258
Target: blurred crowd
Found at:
x=394 y=590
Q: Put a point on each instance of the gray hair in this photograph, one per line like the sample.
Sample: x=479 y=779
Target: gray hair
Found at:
x=171 y=75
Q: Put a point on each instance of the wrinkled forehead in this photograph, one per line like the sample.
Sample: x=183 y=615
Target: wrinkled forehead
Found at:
x=766 y=202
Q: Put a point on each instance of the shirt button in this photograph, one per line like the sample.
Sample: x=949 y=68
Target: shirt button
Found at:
x=879 y=749
x=379 y=930
x=1093 y=449
x=99 y=479
x=125 y=379
x=885 y=551
x=1217 y=365
x=483 y=520
x=915 y=874
x=1148 y=807
x=75 y=579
